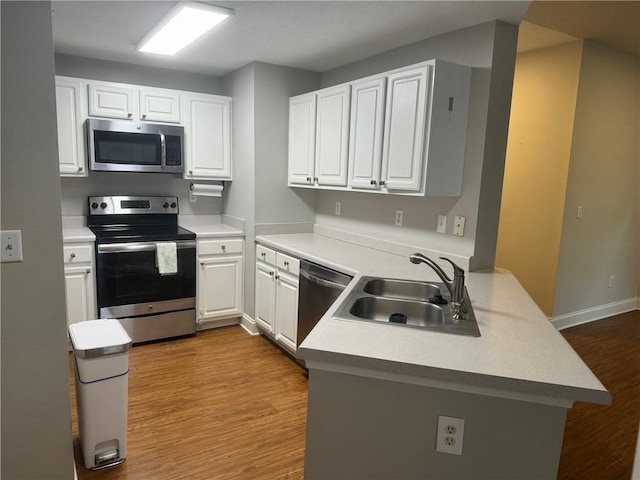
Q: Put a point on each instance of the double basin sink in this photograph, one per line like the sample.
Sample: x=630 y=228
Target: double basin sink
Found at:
x=407 y=303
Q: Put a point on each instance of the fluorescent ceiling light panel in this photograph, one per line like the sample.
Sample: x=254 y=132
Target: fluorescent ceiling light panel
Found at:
x=187 y=22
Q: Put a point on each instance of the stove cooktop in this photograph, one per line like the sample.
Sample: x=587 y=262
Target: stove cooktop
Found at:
x=142 y=233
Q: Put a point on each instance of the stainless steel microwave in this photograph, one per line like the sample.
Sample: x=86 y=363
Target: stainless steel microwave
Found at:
x=126 y=146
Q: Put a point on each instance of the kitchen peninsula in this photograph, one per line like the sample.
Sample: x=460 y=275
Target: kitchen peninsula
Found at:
x=376 y=391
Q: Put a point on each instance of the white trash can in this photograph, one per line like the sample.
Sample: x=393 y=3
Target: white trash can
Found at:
x=101 y=354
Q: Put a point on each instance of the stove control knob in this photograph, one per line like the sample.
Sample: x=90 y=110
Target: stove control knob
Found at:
x=174 y=204
x=165 y=205
x=94 y=205
x=103 y=205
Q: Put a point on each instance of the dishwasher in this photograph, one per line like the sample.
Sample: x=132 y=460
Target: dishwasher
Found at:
x=319 y=288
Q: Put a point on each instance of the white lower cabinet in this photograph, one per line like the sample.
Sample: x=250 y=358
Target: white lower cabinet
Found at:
x=80 y=284
x=276 y=307
x=220 y=280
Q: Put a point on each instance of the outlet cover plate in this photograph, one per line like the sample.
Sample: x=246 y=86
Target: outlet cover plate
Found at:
x=449 y=435
x=442 y=224
x=11 y=244
x=458 y=226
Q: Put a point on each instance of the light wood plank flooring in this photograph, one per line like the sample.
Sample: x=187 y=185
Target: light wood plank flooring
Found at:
x=219 y=405
x=225 y=405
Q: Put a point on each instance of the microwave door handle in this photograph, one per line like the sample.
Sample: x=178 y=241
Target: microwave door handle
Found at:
x=163 y=148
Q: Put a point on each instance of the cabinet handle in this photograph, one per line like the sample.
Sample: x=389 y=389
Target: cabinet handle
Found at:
x=80 y=169
x=374 y=182
x=129 y=115
x=224 y=248
x=309 y=179
x=382 y=182
x=144 y=115
x=271 y=273
x=201 y=312
x=201 y=263
x=277 y=277
x=190 y=172
x=286 y=264
x=88 y=271
x=263 y=254
x=73 y=255
x=315 y=179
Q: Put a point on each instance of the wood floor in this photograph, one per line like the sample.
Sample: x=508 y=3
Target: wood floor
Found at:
x=226 y=405
x=220 y=405
x=599 y=441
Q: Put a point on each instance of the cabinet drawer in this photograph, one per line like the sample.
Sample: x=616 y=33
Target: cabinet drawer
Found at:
x=265 y=254
x=287 y=263
x=78 y=254
x=218 y=247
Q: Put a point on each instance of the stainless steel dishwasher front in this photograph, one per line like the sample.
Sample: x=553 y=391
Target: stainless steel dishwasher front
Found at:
x=319 y=288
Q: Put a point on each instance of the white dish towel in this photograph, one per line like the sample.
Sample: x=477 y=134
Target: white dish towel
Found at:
x=167 y=258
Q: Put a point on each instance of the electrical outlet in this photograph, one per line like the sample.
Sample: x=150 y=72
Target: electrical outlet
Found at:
x=579 y=211
x=442 y=224
x=338 y=208
x=192 y=198
x=399 y=215
x=611 y=281
x=458 y=226
x=449 y=435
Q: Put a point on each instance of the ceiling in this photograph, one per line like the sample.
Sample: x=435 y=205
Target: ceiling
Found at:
x=312 y=35
x=612 y=23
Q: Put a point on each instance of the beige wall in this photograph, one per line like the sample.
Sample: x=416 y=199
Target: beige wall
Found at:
x=538 y=150
x=603 y=178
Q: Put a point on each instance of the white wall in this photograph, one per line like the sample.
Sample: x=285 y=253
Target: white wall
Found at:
x=36 y=409
x=239 y=197
x=275 y=201
x=603 y=178
x=490 y=49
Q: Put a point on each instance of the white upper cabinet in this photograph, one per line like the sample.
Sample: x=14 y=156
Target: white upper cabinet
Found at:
x=365 y=134
x=404 y=129
x=70 y=111
x=332 y=135
x=159 y=105
x=112 y=100
x=319 y=137
x=116 y=100
x=207 y=131
x=302 y=138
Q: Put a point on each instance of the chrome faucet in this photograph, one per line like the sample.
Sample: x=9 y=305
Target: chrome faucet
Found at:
x=455 y=286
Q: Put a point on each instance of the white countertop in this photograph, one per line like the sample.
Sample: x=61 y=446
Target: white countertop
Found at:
x=74 y=229
x=519 y=353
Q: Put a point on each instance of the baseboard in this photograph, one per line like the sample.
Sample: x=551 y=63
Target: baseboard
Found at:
x=595 y=313
x=249 y=324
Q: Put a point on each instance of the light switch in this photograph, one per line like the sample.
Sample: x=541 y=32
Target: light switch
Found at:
x=442 y=224
x=11 y=241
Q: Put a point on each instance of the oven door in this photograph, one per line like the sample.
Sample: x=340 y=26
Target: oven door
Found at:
x=127 y=274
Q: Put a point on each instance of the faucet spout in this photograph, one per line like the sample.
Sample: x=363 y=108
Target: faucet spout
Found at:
x=455 y=286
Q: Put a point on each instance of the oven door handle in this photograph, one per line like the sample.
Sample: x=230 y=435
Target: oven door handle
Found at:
x=139 y=247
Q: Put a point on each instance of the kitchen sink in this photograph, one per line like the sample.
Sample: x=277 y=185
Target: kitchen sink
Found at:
x=408 y=304
x=406 y=289
x=419 y=314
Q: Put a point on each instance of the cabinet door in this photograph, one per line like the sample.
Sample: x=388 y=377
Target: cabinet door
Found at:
x=332 y=136
x=286 y=310
x=265 y=295
x=70 y=116
x=159 y=105
x=302 y=138
x=113 y=101
x=207 y=133
x=80 y=296
x=220 y=287
x=404 y=130
x=365 y=134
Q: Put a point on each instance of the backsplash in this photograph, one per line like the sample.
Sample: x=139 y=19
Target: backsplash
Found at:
x=76 y=190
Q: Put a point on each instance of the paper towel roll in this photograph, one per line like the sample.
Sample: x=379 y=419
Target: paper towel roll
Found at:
x=206 y=190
